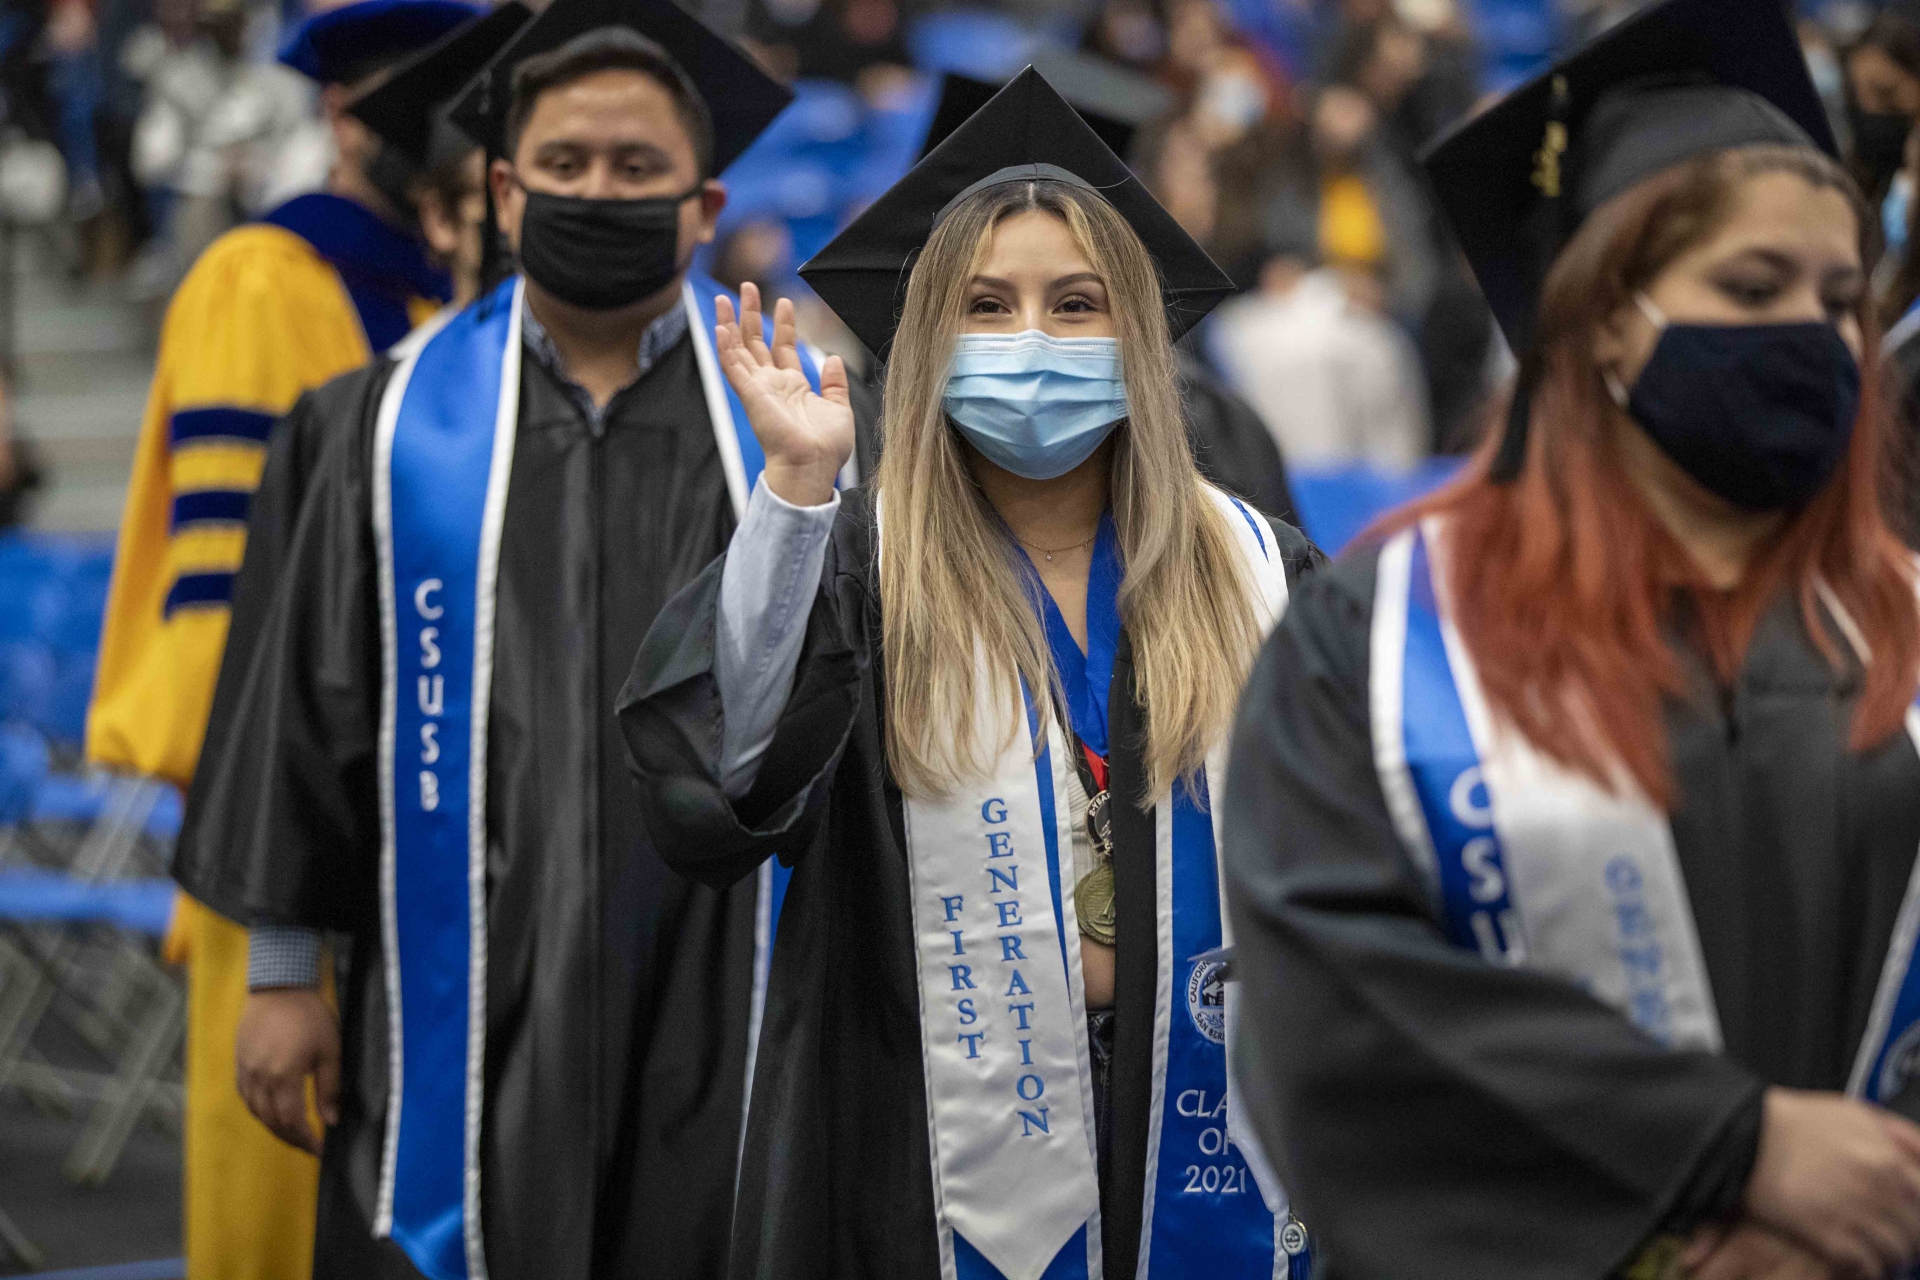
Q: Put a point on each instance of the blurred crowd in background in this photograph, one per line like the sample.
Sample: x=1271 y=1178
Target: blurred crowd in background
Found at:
x=1283 y=134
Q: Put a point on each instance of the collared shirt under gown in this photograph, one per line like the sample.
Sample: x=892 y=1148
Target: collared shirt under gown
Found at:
x=1435 y=1115
x=835 y=1180
x=617 y=991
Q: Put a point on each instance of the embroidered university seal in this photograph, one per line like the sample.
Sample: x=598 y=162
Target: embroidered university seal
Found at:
x=1207 y=1000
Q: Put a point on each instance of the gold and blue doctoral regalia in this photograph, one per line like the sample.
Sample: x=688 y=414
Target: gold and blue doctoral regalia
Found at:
x=271 y=309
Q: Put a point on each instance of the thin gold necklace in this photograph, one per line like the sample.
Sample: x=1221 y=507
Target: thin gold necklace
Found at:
x=1057 y=551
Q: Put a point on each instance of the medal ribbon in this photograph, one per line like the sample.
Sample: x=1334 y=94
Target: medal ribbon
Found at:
x=1204 y=1214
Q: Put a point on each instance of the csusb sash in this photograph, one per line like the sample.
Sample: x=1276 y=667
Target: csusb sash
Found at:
x=1533 y=864
x=1003 y=1019
x=443 y=455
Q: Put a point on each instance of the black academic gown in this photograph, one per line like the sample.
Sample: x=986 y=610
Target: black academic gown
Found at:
x=617 y=990
x=1435 y=1115
x=835 y=1182
x=1231 y=444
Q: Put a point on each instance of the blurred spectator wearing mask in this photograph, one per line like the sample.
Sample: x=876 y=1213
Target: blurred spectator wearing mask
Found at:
x=268 y=311
x=1883 y=100
x=1335 y=381
x=1232 y=88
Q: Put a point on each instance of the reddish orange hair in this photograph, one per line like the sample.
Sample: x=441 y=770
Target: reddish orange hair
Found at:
x=1565 y=584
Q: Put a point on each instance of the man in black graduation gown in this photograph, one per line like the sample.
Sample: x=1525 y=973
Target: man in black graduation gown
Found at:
x=616 y=994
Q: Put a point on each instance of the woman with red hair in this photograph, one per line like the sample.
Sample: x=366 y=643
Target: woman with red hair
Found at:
x=1571 y=834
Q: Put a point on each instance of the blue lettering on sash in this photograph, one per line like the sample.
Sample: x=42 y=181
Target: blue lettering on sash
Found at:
x=1018 y=987
x=962 y=976
x=1008 y=879
x=439 y=472
x=1445 y=765
x=1641 y=958
x=1010 y=948
x=953 y=906
x=1009 y=913
x=1001 y=844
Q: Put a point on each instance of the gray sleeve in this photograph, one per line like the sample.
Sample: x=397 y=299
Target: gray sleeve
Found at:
x=766 y=592
x=282 y=956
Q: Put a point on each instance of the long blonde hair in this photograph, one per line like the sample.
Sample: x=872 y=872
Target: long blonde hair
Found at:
x=949 y=588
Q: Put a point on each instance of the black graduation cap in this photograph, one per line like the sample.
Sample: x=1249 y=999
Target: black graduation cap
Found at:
x=1114 y=100
x=345 y=44
x=1025 y=131
x=1676 y=81
x=407 y=109
x=742 y=98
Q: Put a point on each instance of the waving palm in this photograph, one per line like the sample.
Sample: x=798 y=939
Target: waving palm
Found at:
x=807 y=436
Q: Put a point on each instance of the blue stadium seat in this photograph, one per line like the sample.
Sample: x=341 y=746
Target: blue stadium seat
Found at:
x=23 y=769
x=1336 y=503
x=981 y=43
x=1517 y=40
x=30 y=896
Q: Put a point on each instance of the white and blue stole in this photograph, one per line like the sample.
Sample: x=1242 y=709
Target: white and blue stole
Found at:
x=443 y=457
x=1003 y=1013
x=1530 y=863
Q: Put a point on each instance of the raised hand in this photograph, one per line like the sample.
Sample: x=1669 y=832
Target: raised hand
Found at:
x=807 y=437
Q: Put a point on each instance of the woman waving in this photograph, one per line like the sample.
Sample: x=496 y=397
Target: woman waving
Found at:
x=976 y=710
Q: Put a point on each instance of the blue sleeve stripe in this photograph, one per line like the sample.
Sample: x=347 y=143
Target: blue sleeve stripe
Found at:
x=1259 y=534
x=210 y=506
x=221 y=423
x=199 y=591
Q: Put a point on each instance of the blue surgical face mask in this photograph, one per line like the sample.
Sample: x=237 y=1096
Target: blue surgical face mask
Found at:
x=1037 y=405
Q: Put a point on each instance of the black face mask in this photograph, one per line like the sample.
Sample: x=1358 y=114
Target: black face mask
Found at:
x=1879 y=144
x=1760 y=414
x=601 y=254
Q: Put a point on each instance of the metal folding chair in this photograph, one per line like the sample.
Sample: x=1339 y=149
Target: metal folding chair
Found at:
x=79 y=944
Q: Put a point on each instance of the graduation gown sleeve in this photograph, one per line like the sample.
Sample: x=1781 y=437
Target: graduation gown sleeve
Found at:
x=259 y=319
x=282 y=822
x=1430 y=1113
x=671 y=717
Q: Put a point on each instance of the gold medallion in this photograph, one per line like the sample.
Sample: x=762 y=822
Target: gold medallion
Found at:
x=1093 y=903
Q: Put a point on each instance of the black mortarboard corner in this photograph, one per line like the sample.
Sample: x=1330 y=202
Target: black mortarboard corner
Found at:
x=1026 y=131
x=407 y=110
x=1115 y=101
x=742 y=98
x=1676 y=81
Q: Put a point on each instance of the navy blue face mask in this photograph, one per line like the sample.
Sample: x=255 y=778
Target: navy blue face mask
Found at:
x=1760 y=414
